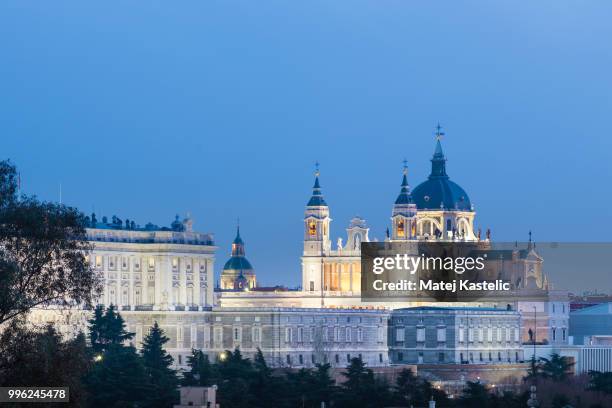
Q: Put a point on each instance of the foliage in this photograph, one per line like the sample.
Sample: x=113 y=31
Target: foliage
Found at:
x=43 y=249
x=119 y=376
x=31 y=357
x=107 y=328
x=601 y=382
x=201 y=372
x=361 y=387
x=157 y=364
x=556 y=368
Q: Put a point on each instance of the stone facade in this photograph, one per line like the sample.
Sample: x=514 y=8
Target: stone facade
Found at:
x=155 y=268
x=435 y=335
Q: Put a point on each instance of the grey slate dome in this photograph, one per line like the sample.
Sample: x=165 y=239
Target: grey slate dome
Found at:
x=438 y=192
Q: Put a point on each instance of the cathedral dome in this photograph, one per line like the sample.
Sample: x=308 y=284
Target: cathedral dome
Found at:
x=238 y=273
x=438 y=192
x=238 y=261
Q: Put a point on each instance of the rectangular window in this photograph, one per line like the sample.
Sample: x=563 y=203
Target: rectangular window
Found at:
x=381 y=334
x=517 y=334
x=300 y=334
x=288 y=334
x=359 y=334
x=461 y=335
x=441 y=357
x=218 y=335
x=489 y=334
x=312 y=286
x=348 y=335
x=420 y=334
x=499 y=334
x=481 y=334
x=399 y=334
x=470 y=335
x=237 y=334
x=256 y=334
x=441 y=335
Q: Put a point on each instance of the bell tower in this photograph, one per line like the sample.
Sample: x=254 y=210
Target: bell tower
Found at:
x=316 y=239
x=403 y=217
x=316 y=222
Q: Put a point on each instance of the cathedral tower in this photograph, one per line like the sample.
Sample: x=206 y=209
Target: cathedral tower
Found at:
x=316 y=222
x=403 y=218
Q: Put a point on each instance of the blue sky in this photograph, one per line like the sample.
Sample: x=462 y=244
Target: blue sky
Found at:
x=146 y=109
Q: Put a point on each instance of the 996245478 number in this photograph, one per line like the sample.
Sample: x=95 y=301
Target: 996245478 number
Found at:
x=34 y=394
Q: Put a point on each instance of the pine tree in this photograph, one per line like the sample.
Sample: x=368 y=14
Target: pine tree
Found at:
x=361 y=388
x=157 y=364
x=118 y=377
x=201 y=372
x=106 y=328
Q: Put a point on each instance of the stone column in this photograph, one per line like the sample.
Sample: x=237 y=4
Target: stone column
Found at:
x=158 y=281
x=130 y=272
x=196 y=282
x=351 y=276
x=183 y=280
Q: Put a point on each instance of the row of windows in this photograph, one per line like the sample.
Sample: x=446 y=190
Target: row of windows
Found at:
x=113 y=262
x=237 y=334
x=311 y=334
x=337 y=359
x=501 y=334
x=481 y=357
x=400 y=334
x=311 y=319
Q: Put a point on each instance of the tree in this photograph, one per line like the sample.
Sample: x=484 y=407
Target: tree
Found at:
x=361 y=387
x=557 y=368
x=157 y=364
x=474 y=395
x=32 y=357
x=118 y=377
x=323 y=386
x=409 y=389
x=201 y=372
x=235 y=375
x=107 y=328
x=43 y=249
x=601 y=382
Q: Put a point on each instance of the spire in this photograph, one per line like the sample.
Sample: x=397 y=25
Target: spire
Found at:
x=238 y=244
x=317 y=199
x=438 y=161
x=404 y=196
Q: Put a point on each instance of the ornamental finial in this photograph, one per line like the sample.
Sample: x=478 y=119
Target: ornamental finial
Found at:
x=405 y=168
x=317 y=172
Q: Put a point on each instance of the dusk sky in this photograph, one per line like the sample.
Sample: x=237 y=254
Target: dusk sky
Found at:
x=221 y=108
